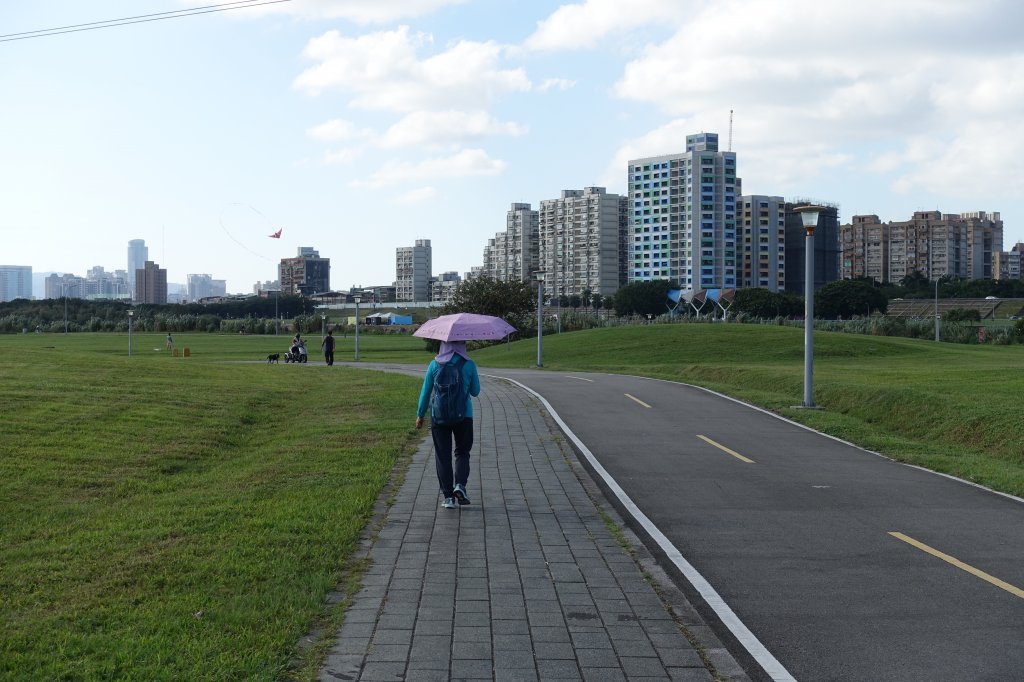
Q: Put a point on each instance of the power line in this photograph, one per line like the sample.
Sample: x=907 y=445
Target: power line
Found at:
x=140 y=19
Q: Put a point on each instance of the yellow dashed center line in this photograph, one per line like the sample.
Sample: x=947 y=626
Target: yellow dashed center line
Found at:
x=725 y=449
x=635 y=399
x=978 y=573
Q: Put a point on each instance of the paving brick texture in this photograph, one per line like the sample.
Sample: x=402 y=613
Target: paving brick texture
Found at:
x=527 y=582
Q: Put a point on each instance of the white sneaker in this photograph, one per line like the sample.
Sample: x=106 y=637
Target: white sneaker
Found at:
x=449 y=503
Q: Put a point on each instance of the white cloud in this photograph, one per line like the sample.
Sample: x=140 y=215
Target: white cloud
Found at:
x=358 y=11
x=437 y=129
x=985 y=159
x=468 y=162
x=417 y=196
x=556 y=84
x=586 y=24
x=876 y=87
x=342 y=156
x=384 y=72
x=336 y=130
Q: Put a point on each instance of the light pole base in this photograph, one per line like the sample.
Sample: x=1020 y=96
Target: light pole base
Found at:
x=807 y=407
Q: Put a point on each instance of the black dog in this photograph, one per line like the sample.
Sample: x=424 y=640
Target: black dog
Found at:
x=273 y=357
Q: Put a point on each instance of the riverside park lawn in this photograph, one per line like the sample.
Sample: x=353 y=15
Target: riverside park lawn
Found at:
x=184 y=518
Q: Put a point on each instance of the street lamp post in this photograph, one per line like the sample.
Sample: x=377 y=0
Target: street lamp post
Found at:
x=936 y=309
x=540 y=318
x=277 y=319
x=131 y=313
x=809 y=217
x=357 y=299
x=323 y=325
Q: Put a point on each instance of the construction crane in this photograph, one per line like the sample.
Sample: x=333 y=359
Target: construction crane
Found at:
x=730 y=130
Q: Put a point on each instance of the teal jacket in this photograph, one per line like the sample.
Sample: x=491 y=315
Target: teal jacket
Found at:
x=470 y=378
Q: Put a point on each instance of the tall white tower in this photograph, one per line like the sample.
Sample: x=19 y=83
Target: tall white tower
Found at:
x=138 y=254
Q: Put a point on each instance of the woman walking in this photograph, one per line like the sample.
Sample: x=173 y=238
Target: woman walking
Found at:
x=450 y=381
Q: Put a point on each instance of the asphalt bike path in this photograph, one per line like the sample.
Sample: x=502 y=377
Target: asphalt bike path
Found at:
x=824 y=561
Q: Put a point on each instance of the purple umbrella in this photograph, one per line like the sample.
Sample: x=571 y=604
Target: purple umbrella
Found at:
x=465 y=327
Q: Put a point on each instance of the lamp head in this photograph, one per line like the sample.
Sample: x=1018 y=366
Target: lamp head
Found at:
x=809 y=217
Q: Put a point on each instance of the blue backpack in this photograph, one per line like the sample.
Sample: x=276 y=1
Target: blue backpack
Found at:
x=448 y=404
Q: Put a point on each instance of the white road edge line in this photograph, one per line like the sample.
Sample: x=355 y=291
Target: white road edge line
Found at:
x=764 y=658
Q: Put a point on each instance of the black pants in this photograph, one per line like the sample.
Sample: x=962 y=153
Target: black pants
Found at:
x=462 y=434
x=329 y=356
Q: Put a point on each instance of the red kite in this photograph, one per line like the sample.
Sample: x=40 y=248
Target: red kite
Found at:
x=276 y=235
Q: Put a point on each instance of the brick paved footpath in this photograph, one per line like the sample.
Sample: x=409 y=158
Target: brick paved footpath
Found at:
x=526 y=583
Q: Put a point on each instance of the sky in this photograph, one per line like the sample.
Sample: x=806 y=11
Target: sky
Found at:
x=359 y=126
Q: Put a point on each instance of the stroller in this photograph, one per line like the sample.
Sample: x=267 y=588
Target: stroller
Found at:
x=297 y=353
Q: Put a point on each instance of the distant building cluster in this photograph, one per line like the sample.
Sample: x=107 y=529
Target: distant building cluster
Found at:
x=684 y=219
x=964 y=245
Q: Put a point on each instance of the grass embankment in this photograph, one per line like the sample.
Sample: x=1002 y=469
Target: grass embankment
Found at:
x=165 y=518
x=951 y=408
x=169 y=518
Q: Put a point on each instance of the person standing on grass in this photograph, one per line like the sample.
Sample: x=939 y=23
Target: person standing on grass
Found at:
x=450 y=381
x=328 y=347
x=170 y=342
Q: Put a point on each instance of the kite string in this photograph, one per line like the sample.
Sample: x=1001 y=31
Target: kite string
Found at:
x=232 y=237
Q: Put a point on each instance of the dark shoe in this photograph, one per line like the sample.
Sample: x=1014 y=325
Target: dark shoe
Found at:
x=460 y=494
x=449 y=503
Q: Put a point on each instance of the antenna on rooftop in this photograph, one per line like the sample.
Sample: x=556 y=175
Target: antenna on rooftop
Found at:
x=730 y=130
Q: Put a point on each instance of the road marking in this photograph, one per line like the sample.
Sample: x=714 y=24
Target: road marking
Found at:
x=725 y=449
x=579 y=378
x=978 y=573
x=747 y=639
x=634 y=398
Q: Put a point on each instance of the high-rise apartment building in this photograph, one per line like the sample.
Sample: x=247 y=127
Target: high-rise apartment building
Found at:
x=15 y=282
x=984 y=238
x=1007 y=264
x=933 y=243
x=442 y=287
x=205 y=286
x=413 y=269
x=762 y=241
x=150 y=284
x=61 y=285
x=513 y=254
x=826 y=246
x=580 y=237
x=683 y=216
x=138 y=254
x=102 y=284
x=865 y=248
x=306 y=274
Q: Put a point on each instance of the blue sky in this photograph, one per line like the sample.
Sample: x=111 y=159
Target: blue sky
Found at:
x=359 y=126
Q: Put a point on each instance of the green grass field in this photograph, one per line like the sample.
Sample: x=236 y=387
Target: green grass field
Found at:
x=173 y=518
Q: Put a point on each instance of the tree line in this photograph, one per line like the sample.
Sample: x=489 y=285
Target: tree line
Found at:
x=253 y=314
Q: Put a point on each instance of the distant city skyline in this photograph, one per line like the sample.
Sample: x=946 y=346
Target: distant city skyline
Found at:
x=359 y=126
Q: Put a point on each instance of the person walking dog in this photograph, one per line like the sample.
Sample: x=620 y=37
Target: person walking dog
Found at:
x=450 y=381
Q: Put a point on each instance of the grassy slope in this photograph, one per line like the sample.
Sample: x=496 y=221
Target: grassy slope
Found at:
x=949 y=407
x=184 y=518
x=169 y=518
